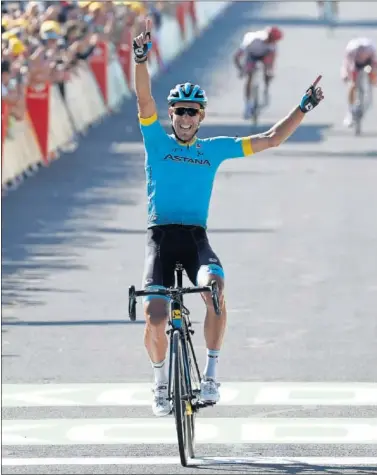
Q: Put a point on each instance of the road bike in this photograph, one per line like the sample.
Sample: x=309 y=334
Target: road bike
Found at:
x=363 y=98
x=184 y=373
x=256 y=92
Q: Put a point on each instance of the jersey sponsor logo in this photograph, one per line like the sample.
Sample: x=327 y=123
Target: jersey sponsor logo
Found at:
x=194 y=161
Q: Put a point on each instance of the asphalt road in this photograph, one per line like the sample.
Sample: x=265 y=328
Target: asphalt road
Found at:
x=297 y=233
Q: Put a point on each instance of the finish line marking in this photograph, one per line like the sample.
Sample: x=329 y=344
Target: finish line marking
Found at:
x=232 y=394
x=310 y=461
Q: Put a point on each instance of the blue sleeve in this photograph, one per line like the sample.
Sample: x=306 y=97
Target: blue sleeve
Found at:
x=152 y=131
x=225 y=148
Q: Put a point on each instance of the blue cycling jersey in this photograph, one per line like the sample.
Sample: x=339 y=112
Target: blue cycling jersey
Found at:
x=180 y=176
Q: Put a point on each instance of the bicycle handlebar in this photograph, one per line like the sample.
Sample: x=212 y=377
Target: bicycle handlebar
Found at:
x=172 y=292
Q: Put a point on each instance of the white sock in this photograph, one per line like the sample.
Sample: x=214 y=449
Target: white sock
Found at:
x=160 y=374
x=211 y=364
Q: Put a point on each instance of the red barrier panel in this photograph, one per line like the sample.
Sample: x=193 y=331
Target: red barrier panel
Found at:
x=4 y=124
x=180 y=13
x=98 y=63
x=191 y=10
x=125 y=54
x=38 y=108
x=184 y=9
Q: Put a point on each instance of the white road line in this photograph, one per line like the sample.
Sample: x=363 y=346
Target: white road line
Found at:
x=208 y=431
x=232 y=394
x=314 y=461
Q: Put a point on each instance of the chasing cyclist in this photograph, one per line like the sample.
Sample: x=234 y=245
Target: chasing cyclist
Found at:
x=359 y=53
x=257 y=46
x=180 y=170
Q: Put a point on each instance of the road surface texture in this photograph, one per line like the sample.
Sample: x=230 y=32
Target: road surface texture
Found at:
x=296 y=230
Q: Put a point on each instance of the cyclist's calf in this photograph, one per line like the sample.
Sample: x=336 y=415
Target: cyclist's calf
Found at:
x=214 y=327
x=155 y=339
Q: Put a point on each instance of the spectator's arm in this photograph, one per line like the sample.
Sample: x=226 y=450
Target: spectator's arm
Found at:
x=39 y=70
x=109 y=26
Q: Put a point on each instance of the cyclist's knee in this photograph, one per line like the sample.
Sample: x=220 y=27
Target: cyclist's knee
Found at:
x=206 y=275
x=207 y=296
x=156 y=311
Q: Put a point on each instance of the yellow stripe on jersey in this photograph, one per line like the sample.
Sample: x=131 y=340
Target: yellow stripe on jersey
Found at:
x=148 y=120
x=246 y=146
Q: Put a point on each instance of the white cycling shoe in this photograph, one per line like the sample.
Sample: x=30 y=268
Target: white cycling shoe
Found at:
x=161 y=405
x=209 y=390
x=348 y=120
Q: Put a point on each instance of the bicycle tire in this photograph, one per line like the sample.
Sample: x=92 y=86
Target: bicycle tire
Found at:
x=178 y=403
x=255 y=114
x=361 y=106
x=358 y=127
x=194 y=375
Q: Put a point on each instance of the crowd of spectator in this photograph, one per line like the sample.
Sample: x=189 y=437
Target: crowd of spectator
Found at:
x=46 y=40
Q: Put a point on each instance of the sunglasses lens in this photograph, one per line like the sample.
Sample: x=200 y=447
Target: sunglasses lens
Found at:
x=183 y=110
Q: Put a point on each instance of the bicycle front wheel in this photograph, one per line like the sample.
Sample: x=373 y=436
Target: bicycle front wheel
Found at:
x=179 y=394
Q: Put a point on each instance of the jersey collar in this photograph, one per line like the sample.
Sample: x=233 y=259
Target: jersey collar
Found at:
x=187 y=144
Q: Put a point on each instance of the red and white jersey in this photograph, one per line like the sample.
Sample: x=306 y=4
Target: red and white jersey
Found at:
x=254 y=43
x=353 y=48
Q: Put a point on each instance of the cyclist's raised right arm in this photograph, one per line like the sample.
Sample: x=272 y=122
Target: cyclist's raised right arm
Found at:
x=151 y=129
x=145 y=101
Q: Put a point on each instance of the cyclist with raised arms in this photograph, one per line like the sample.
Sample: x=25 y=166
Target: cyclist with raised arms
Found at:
x=180 y=170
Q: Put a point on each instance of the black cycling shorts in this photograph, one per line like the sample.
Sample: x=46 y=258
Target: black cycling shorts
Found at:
x=168 y=244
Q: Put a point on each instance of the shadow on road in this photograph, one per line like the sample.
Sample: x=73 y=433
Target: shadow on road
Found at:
x=293 y=468
x=53 y=215
x=10 y=322
x=311 y=21
x=327 y=154
x=112 y=230
x=309 y=133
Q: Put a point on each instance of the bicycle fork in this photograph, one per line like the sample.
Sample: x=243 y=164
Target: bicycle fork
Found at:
x=177 y=326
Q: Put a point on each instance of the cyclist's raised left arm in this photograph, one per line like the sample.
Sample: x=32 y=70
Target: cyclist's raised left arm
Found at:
x=285 y=127
x=278 y=133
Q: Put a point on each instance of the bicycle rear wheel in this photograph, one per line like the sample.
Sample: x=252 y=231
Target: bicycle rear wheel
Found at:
x=182 y=406
x=359 y=103
x=256 y=103
x=358 y=114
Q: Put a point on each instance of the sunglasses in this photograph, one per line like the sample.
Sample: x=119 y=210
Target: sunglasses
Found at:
x=190 y=111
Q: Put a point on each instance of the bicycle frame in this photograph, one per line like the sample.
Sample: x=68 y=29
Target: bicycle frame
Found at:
x=179 y=321
x=185 y=400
